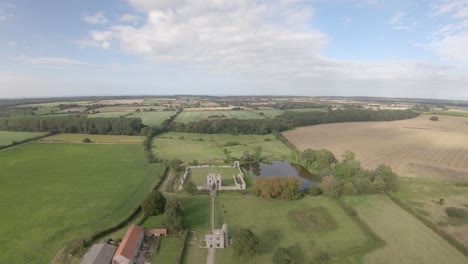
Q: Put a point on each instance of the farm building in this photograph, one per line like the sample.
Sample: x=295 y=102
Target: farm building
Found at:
x=218 y=239
x=155 y=232
x=99 y=254
x=129 y=247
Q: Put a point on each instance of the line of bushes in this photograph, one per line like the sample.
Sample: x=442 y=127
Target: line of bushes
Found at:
x=184 y=237
x=454 y=242
x=15 y=143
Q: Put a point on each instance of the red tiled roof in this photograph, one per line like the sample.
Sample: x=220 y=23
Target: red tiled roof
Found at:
x=129 y=242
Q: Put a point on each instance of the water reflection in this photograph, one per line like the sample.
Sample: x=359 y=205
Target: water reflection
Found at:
x=282 y=169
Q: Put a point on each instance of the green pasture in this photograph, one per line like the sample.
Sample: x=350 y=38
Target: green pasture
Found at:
x=193 y=116
x=100 y=139
x=152 y=118
x=210 y=147
x=55 y=193
x=54 y=104
x=269 y=112
x=407 y=240
x=168 y=250
x=109 y=114
x=292 y=225
x=449 y=112
x=7 y=137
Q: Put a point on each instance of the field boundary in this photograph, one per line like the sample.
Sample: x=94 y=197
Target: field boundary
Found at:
x=374 y=241
x=26 y=140
x=451 y=240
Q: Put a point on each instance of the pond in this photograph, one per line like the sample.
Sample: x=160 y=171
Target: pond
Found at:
x=283 y=169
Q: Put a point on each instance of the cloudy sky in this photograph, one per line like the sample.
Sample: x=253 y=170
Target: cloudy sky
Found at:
x=395 y=48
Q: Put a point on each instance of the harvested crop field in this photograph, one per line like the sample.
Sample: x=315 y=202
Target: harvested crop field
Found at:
x=416 y=147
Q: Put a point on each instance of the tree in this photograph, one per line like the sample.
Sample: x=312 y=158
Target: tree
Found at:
x=245 y=243
x=434 y=118
x=282 y=256
x=154 y=204
x=86 y=140
x=190 y=187
x=173 y=216
x=348 y=189
x=330 y=186
x=388 y=176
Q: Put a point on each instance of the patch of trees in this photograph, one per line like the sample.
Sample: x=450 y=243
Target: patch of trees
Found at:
x=288 y=120
x=173 y=220
x=316 y=161
x=102 y=126
x=231 y=143
x=346 y=177
x=277 y=187
x=154 y=204
x=455 y=212
x=217 y=116
x=297 y=105
x=245 y=243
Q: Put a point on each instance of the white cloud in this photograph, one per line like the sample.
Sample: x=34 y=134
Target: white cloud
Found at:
x=269 y=40
x=450 y=41
x=97 y=18
x=48 y=60
x=129 y=18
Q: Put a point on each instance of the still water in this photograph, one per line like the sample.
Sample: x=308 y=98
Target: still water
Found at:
x=283 y=169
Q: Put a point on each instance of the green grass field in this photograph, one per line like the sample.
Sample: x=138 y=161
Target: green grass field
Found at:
x=407 y=239
x=54 y=193
x=7 y=137
x=272 y=222
x=168 y=250
x=449 y=112
x=152 y=118
x=54 y=104
x=102 y=139
x=210 y=147
x=198 y=175
x=193 y=116
x=269 y=112
x=109 y=114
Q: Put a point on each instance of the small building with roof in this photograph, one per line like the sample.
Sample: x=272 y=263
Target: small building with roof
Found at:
x=99 y=254
x=128 y=249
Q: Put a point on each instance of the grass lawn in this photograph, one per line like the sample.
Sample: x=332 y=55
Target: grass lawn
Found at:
x=109 y=114
x=407 y=239
x=168 y=250
x=54 y=193
x=7 y=137
x=290 y=224
x=193 y=116
x=198 y=175
x=210 y=147
x=78 y=138
x=186 y=150
x=194 y=254
x=152 y=118
x=270 y=113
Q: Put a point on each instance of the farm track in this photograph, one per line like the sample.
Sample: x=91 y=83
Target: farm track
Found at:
x=416 y=147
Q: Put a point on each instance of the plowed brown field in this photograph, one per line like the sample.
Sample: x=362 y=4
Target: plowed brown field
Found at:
x=416 y=147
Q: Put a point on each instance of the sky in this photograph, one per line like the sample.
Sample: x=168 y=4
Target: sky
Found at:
x=393 y=48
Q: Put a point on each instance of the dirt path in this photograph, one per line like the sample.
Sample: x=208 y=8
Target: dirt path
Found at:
x=165 y=186
x=211 y=256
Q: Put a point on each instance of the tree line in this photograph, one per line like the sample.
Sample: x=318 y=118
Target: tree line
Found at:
x=288 y=120
x=346 y=177
x=60 y=124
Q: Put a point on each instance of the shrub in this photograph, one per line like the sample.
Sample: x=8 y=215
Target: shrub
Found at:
x=231 y=143
x=434 y=118
x=441 y=201
x=455 y=212
x=86 y=140
x=314 y=190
